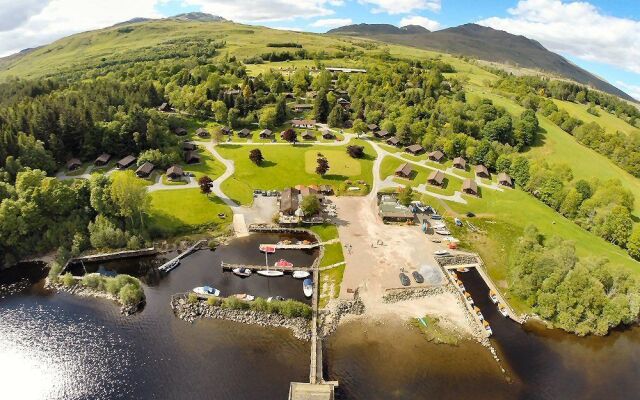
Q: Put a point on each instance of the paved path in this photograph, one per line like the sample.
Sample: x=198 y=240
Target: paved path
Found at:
x=159 y=185
x=345 y=140
x=230 y=169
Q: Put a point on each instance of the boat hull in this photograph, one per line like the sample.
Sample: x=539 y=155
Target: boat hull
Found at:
x=270 y=274
x=301 y=274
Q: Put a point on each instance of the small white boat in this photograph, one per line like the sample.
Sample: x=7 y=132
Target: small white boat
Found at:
x=487 y=327
x=307 y=287
x=441 y=253
x=275 y=298
x=440 y=225
x=282 y=263
x=478 y=313
x=443 y=232
x=493 y=296
x=244 y=272
x=270 y=273
x=301 y=274
x=503 y=310
x=244 y=297
x=460 y=285
x=267 y=248
x=468 y=297
x=207 y=291
x=464 y=269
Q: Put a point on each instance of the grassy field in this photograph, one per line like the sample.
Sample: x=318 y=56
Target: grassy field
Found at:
x=287 y=166
x=609 y=122
x=506 y=214
x=180 y=211
x=557 y=146
x=390 y=164
x=325 y=231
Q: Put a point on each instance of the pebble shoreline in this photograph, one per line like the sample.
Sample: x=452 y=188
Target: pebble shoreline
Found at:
x=83 y=291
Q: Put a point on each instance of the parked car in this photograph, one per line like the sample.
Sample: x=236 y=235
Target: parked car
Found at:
x=257 y=192
x=417 y=277
x=404 y=279
x=436 y=216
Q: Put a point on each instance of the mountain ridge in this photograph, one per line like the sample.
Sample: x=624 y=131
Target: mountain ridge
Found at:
x=484 y=43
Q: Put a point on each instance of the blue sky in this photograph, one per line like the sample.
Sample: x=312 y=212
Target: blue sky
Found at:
x=601 y=36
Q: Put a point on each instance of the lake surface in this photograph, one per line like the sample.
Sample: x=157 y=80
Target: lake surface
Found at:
x=58 y=346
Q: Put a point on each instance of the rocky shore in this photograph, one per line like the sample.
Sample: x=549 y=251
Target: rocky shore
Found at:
x=329 y=317
x=84 y=291
x=300 y=327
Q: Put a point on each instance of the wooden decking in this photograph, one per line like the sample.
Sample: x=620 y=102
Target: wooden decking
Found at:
x=167 y=267
x=228 y=267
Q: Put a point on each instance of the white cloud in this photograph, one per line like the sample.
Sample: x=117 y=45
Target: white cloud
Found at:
x=15 y=13
x=422 y=21
x=332 y=22
x=632 y=90
x=266 y=10
x=578 y=29
x=288 y=28
x=402 y=6
x=59 y=18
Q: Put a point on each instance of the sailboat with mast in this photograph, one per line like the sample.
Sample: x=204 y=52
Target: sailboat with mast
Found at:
x=269 y=272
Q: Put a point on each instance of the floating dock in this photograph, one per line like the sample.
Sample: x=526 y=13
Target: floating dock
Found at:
x=169 y=265
x=293 y=246
x=229 y=267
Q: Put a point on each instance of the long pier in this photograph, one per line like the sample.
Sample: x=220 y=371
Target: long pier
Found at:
x=169 y=265
x=294 y=246
x=117 y=255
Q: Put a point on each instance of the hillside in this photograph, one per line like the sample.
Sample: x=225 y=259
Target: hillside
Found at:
x=484 y=43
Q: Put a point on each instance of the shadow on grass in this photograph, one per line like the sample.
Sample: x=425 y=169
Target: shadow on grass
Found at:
x=267 y=164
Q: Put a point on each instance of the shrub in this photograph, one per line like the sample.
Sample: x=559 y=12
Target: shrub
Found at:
x=259 y=304
x=68 y=280
x=293 y=309
x=130 y=294
x=54 y=271
x=232 y=303
x=213 y=301
x=93 y=281
x=192 y=298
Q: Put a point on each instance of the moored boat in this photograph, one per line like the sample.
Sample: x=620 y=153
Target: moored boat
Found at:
x=493 y=296
x=460 y=284
x=282 y=263
x=503 y=310
x=463 y=269
x=244 y=297
x=270 y=273
x=243 y=272
x=487 y=327
x=267 y=248
x=443 y=232
x=468 y=297
x=275 y=298
x=307 y=287
x=206 y=291
x=478 y=313
x=300 y=274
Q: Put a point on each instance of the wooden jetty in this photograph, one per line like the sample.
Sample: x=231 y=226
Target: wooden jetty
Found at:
x=229 y=267
x=117 y=255
x=169 y=265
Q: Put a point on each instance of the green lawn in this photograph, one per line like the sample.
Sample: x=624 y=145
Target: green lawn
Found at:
x=608 y=121
x=325 y=231
x=332 y=254
x=208 y=165
x=333 y=278
x=286 y=166
x=505 y=214
x=340 y=163
x=390 y=164
x=181 y=211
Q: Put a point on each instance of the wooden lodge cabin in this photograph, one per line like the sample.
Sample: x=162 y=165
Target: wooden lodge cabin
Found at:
x=102 y=160
x=289 y=202
x=301 y=107
x=436 y=178
x=244 y=133
x=191 y=157
x=188 y=146
x=180 y=131
x=145 y=170
x=308 y=135
x=505 y=180
x=328 y=134
x=373 y=128
x=469 y=186
x=126 y=162
x=226 y=130
x=414 y=149
x=391 y=211
x=266 y=134
x=304 y=123
x=436 y=156
x=203 y=133
x=289 y=95
x=348 y=124
x=482 y=172
x=382 y=134
x=459 y=163
x=404 y=171
x=175 y=172
x=74 y=164
x=393 y=141
x=346 y=104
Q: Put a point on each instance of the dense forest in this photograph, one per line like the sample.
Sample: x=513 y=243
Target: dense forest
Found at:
x=579 y=295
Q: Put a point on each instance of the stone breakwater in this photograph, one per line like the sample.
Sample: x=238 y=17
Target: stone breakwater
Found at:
x=329 y=317
x=458 y=259
x=396 y=295
x=84 y=291
x=300 y=327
